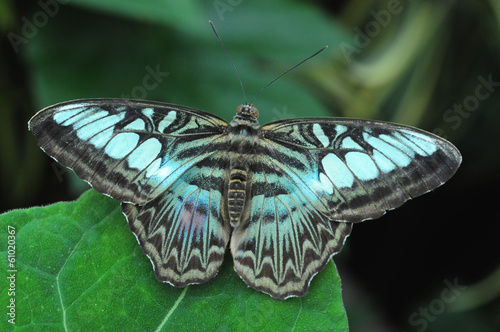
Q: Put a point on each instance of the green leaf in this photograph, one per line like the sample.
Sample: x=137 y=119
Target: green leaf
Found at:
x=79 y=267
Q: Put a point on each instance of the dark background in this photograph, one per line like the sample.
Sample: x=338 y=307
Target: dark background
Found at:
x=421 y=63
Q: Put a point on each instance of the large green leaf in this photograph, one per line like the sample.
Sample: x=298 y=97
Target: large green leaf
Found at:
x=80 y=268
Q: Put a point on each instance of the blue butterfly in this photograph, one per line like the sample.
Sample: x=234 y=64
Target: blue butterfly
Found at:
x=284 y=195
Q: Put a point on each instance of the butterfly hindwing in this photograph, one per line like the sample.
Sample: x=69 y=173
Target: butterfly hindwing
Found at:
x=128 y=149
x=283 y=241
x=185 y=230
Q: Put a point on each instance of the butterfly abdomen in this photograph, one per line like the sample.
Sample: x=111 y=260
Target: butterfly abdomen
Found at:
x=236 y=194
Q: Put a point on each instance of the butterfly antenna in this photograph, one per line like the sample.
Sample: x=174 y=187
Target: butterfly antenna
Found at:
x=286 y=72
x=231 y=60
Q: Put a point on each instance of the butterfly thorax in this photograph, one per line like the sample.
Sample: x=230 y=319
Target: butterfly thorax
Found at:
x=243 y=134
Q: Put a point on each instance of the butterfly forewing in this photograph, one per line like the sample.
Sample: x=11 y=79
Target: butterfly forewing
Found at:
x=360 y=169
x=130 y=150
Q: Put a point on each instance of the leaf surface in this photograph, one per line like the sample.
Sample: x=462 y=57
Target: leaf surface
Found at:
x=80 y=268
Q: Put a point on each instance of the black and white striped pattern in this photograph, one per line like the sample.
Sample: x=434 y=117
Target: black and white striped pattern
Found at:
x=283 y=196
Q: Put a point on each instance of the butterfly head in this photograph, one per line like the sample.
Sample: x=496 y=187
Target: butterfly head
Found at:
x=247 y=110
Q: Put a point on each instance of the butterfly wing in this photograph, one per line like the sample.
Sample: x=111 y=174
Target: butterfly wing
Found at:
x=313 y=178
x=358 y=169
x=282 y=241
x=185 y=230
x=130 y=150
x=163 y=161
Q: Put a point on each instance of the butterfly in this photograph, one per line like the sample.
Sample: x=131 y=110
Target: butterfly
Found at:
x=284 y=196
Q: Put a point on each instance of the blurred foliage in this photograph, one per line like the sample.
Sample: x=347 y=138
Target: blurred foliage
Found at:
x=431 y=64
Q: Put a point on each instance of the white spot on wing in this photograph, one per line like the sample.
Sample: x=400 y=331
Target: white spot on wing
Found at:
x=385 y=165
x=100 y=140
x=398 y=144
x=97 y=126
x=397 y=156
x=87 y=119
x=422 y=141
x=121 y=145
x=362 y=165
x=340 y=129
x=337 y=171
x=320 y=134
x=148 y=112
x=166 y=121
x=349 y=144
x=63 y=114
x=326 y=184
x=137 y=124
x=144 y=154
x=69 y=117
